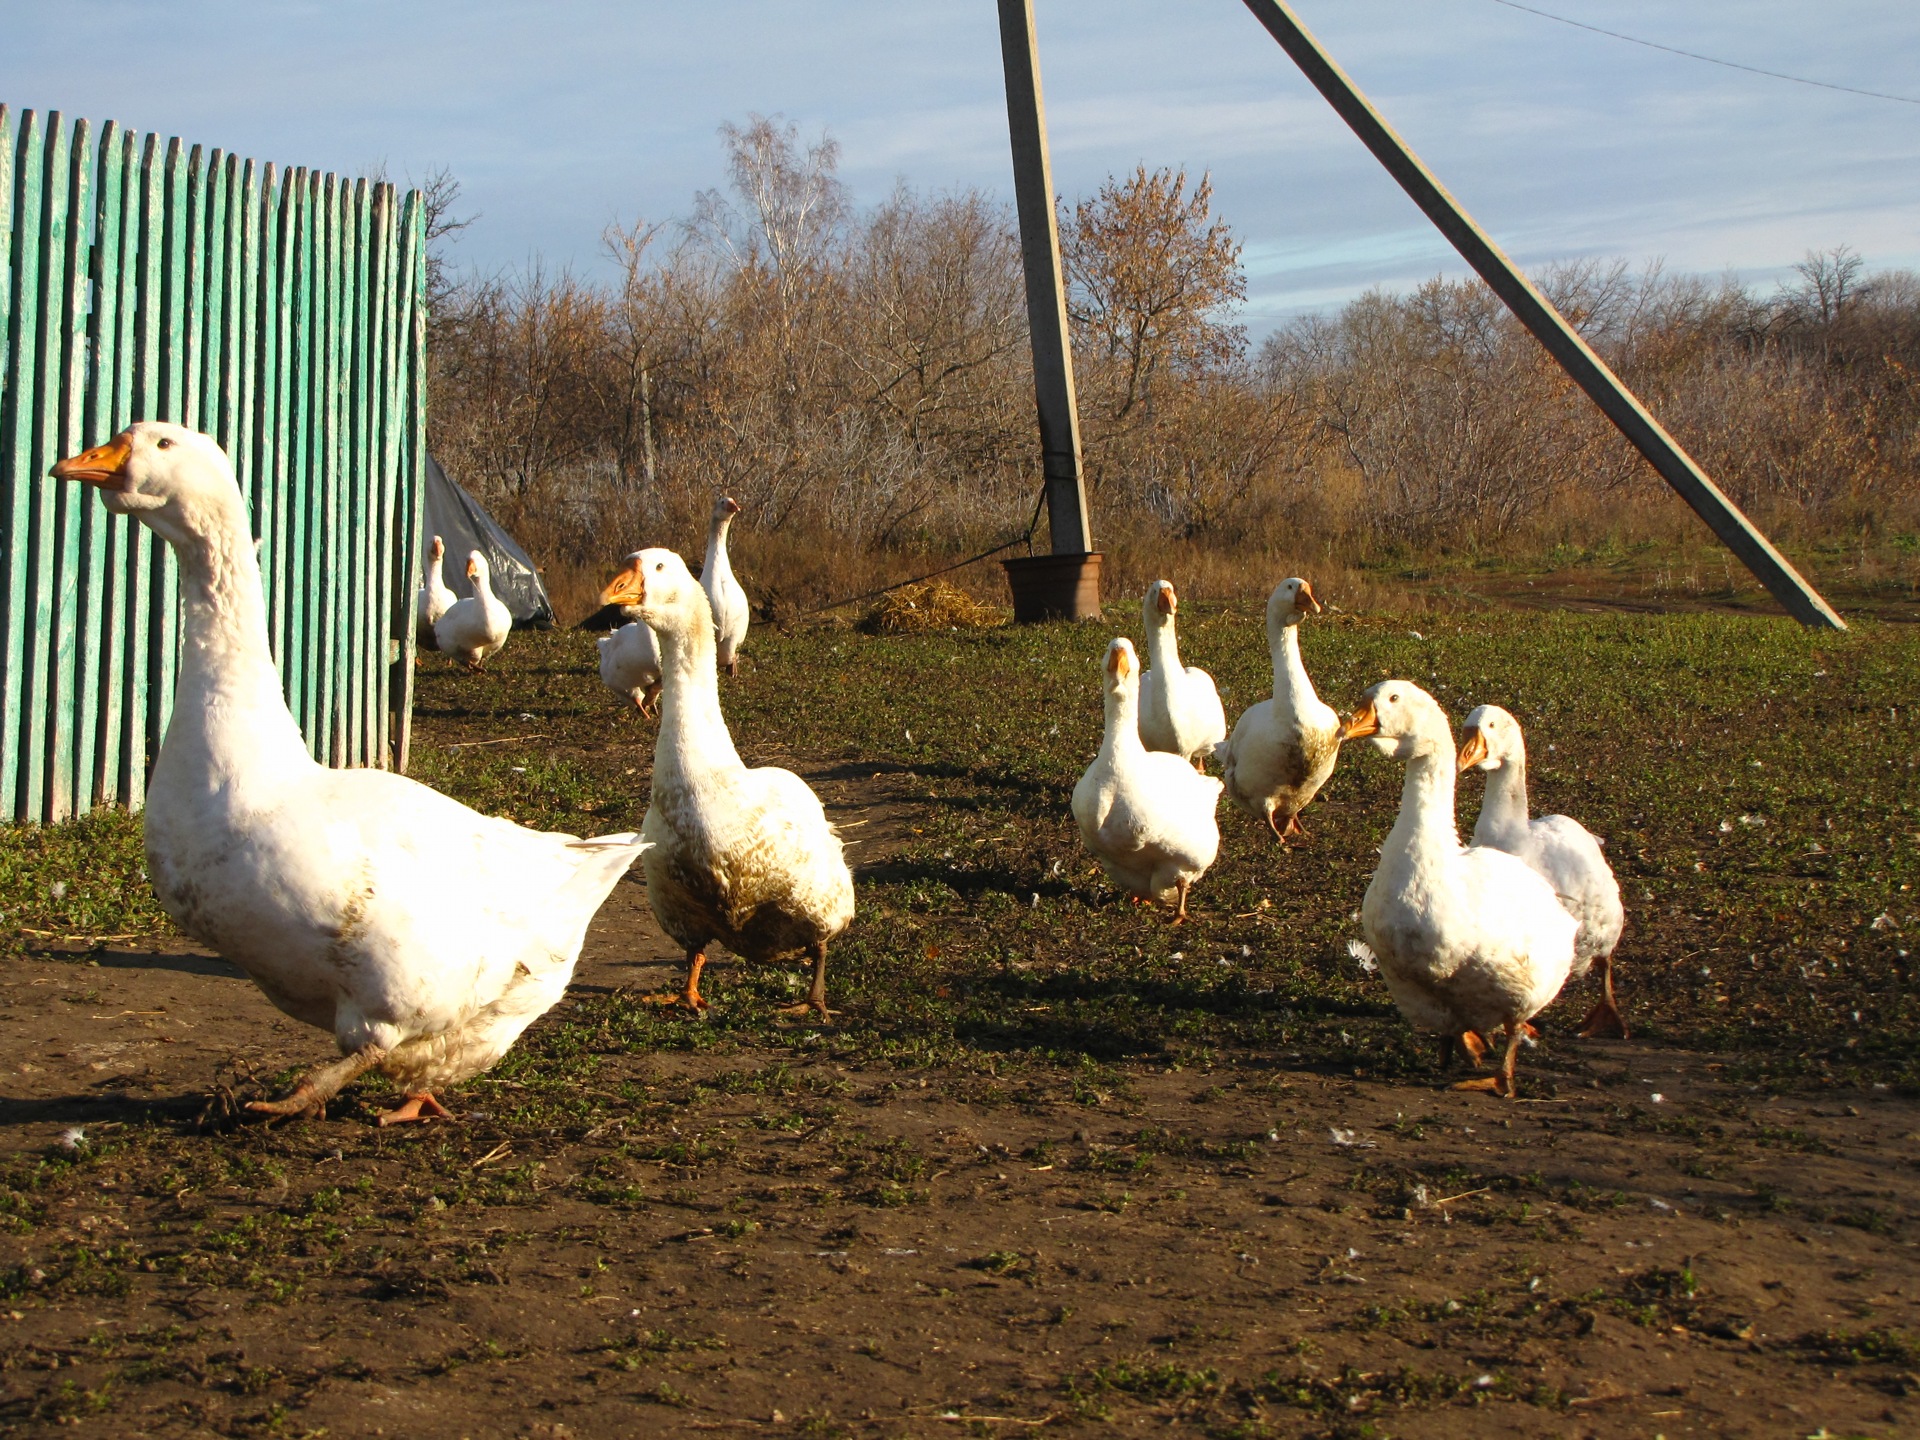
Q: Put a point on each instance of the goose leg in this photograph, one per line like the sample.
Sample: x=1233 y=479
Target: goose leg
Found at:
x=1475 y=1044
x=1180 y=915
x=320 y=1085
x=689 y=997
x=1199 y=764
x=816 y=1001
x=420 y=1105
x=1294 y=827
x=1605 y=1018
x=732 y=667
x=649 y=701
x=1500 y=1083
x=1515 y=1033
x=1274 y=825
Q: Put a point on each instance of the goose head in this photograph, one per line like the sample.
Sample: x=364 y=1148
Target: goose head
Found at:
x=626 y=587
x=1490 y=738
x=1401 y=720
x=1291 y=601
x=1122 y=669
x=175 y=480
x=725 y=507
x=438 y=550
x=1161 y=604
x=479 y=572
x=662 y=592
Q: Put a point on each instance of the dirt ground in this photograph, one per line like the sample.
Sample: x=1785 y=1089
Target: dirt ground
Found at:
x=741 y=1241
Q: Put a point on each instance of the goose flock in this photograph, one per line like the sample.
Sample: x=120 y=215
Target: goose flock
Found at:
x=425 y=937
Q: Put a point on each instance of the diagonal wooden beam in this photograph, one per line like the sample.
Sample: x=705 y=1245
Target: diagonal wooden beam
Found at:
x=1548 y=325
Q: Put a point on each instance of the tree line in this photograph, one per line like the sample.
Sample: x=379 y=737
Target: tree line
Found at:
x=860 y=380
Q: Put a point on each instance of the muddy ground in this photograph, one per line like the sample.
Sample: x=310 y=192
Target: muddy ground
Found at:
x=1056 y=1166
x=763 y=1245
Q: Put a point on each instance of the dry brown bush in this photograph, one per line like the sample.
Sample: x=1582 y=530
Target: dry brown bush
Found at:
x=861 y=383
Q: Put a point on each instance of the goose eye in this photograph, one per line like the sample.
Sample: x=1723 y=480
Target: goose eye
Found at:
x=1393 y=699
x=163 y=444
x=659 y=565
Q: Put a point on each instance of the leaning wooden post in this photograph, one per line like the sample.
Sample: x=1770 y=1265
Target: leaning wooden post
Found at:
x=1549 y=327
x=1065 y=583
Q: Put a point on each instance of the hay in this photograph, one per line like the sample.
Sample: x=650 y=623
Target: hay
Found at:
x=932 y=605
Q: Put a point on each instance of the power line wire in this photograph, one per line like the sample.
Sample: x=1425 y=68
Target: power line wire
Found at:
x=1709 y=59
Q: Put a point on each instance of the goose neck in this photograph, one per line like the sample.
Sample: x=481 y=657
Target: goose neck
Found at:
x=693 y=733
x=1291 y=683
x=1163 y=646
x=1503 y=812
x=229 y=707
x=1426 y=819
x=717 y=563
x=1122 y=739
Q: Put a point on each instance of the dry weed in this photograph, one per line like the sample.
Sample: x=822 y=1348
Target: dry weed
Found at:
x=931 y=605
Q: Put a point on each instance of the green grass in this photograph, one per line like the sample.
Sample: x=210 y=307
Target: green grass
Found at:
x=80 y=879
x=1755 y=783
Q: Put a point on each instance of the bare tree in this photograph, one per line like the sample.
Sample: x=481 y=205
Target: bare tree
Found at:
x=1150 y=274
x=1828 y=279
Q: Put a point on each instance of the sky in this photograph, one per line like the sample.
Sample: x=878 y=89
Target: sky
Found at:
x=560 y=117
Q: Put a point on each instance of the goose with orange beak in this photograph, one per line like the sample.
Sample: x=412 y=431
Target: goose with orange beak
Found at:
x=423 y=936
x=1560 y=848
x=477 y=625
x=1283 y=749
x=431 y=600
x=1471 y=941
x=725 y=597
x=1179 y=706
x=1147 y=816
x=746 y=857
x=630 y=655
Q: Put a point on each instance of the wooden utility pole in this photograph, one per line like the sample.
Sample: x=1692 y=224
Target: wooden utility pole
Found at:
x=1537 y=313
x=1046 y=294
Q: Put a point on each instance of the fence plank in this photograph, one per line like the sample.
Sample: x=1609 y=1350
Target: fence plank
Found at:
x=116 y=302
x=243 y=277
x=279 y=312
x=50 y=299
x=367 y=636
x=334 y=560
x=276 y=396
x=380 y=369
x=69 y=505
x=93 y=399
x=25 y=178
x=412 y=408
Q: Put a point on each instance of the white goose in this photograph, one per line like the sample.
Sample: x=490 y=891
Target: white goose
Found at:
x=1179 y=707
x=432 y=599
x=1147 y=816
x=630 y=656
x=425 y=936
x=725 y=598
x=1282 y=750
x=476 y=625
x=1559 y=847
x=1470 y=940
x=745 y=857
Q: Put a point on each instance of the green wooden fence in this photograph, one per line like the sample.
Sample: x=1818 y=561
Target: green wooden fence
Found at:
x=279 y=310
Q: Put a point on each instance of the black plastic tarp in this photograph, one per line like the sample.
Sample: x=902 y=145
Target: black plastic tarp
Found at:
x=457 y=518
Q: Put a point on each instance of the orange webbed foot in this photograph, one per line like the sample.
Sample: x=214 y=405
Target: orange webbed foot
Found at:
x=1604 y=1022
x=420 y=1106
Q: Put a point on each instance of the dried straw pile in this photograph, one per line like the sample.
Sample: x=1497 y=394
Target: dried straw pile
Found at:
x=932 y=605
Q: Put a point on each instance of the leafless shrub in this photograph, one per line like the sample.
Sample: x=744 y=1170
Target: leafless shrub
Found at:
x=861 y=382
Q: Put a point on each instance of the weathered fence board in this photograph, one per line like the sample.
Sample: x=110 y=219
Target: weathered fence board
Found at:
x=279 y=310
